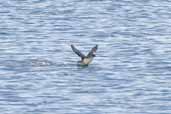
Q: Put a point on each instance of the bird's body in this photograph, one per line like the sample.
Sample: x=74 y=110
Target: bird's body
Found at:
x=85 y=60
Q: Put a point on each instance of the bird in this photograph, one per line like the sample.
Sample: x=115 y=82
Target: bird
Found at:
x=85 y=59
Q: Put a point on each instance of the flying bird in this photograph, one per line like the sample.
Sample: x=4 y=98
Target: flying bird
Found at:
x=85 y=59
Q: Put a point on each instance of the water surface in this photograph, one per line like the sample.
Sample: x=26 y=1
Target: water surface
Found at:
x=130 y=75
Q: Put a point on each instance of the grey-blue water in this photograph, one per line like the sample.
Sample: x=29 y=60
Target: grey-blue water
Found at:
x=130 y=75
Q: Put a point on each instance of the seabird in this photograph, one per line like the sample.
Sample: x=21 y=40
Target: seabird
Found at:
x=85 y=60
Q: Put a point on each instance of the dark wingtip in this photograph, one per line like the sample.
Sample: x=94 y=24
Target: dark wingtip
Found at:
x=72 y=46
x=96 y=46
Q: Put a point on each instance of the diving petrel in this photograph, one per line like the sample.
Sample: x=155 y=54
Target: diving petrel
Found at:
x=85 y=60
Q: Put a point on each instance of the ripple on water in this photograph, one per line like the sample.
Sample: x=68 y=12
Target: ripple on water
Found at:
x=39 y=72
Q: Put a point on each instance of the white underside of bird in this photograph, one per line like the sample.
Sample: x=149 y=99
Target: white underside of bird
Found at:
x=87 y=60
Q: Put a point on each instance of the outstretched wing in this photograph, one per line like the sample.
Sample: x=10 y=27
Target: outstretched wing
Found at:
x=77 y=52
x=93 y=50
